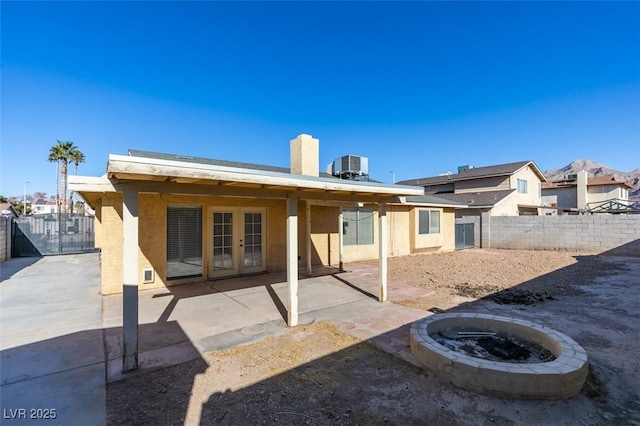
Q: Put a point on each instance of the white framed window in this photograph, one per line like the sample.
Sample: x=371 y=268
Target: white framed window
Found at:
x=522 y=186
x=357 y=227
x=428 y=222
x=184 y=242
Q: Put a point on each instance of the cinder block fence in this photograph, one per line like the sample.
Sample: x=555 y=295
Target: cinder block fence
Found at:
x=5 y=238
x=610 y=234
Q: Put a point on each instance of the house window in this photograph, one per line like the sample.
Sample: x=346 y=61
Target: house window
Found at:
x=184 y=242
x=428 y=222
x=357 y=227
x=522 y=186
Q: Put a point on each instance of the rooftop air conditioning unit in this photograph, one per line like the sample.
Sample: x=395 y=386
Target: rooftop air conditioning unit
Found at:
x=351 y=167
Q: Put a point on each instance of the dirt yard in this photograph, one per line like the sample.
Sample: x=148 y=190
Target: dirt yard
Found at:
x=316 y=374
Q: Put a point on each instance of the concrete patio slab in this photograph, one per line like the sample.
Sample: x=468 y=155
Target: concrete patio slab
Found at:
x=61 y=340
x=52 y=352
x=75 y=397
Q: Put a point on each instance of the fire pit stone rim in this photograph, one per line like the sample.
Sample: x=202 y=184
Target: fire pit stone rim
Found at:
x=568 y=371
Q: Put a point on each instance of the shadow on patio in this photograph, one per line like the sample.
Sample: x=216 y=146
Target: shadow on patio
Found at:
x=276 y=381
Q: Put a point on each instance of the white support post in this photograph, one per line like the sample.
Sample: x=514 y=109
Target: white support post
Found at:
x=382 y=250
x=308 y=212
x=130 y=280
x=341 y=240
x=292 y=261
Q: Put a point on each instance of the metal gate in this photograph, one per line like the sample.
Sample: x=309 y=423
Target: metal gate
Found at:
x=464 y=236
x=52 y=234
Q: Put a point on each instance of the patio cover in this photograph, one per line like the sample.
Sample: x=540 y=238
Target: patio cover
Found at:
x=135 y=174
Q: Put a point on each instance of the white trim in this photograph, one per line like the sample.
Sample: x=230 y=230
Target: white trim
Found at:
x=124 y=165
x=237 y=242
x=292 y=261
x=382 y=252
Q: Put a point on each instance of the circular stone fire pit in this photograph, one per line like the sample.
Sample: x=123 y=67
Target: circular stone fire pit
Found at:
x=500 y=356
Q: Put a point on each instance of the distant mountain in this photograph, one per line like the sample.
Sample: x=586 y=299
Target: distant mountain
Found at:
x=597 y=169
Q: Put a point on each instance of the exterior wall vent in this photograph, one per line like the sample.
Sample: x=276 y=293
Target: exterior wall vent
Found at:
x=148 y=275
x=351 y=167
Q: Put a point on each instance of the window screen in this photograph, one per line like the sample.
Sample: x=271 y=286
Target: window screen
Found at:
x=357 y=227
x=184 y=242
x=428 y=222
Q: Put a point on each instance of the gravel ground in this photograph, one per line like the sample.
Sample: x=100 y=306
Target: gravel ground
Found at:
x=316 y=374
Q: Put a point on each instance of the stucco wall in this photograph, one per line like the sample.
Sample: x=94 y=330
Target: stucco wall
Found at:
x=508 y=206
x=98 y=228
x=110 y=226
x=152 y=235
x=442 y=241
x=324 y=236
x=152 y=224
x=600 y=193
x=532 y=197
x=400 y=231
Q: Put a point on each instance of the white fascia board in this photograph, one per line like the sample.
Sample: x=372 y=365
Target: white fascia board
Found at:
x=156 y=167
x=90 y=184
x=448 y=206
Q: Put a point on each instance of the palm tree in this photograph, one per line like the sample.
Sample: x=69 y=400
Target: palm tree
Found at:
x=62 y=153
x=76 y=157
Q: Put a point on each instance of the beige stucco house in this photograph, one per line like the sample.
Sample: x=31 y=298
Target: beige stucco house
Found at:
x=163 y=220
x=579 y=193
x=502 y=190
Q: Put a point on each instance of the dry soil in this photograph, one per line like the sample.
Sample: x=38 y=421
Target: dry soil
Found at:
x=316 y=374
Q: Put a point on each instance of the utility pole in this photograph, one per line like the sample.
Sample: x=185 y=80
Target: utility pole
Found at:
x=24 y=211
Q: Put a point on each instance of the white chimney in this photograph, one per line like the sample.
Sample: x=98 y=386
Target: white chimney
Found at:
x=581 y=188
x=305 y=158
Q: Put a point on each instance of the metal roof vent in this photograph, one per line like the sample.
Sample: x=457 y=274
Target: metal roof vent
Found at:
x=352 y=167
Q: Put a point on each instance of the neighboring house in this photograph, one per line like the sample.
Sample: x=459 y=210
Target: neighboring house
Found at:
x=7 y=210
x=46 y=206
x=578 y=193
x=503 y=190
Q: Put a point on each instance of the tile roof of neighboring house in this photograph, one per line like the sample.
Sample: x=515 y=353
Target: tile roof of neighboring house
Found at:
x=478 y=199
x=475 y=173
x=434 y=200
x=591 y=181
x=212 y=162
x=606 y=180
x=8 y=207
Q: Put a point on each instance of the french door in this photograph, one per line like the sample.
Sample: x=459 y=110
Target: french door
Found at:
x=238 y=243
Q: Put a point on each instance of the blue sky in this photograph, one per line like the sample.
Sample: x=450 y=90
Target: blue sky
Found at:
x=418 y=87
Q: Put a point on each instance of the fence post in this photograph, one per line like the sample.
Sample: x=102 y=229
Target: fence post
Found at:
x=59 y=231
x=485 y=230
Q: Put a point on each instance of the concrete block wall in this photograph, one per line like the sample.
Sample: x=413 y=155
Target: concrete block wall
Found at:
x=5 y=238
x=607 y=234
